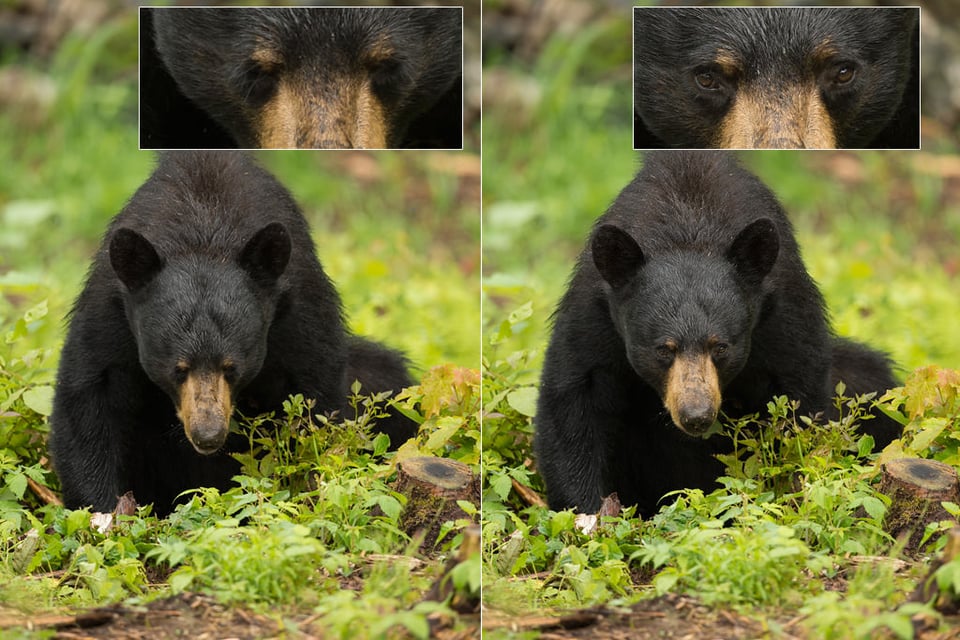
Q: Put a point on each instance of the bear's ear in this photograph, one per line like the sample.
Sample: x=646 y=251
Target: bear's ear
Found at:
x=133 y=258
x=754 y=251
x=616 y=254
x=267 y=253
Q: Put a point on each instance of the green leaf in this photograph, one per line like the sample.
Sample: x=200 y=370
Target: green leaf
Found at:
x=39 y=399
x=501 y=485
x=17 y=483
x=930 y=429
x=181 y=579
x=865 y=446
x=446 y=427
x=664 y=581
x=521 y=313
x=77 y=520
x=380 y=444
x=874 y=507
x=391 y=506
x=524 y=401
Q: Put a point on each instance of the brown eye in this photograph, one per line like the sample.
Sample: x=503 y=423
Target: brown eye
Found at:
x=664 y=352
x=719 y=350
x=844 y=74
x=707 y=80
x=180 y=373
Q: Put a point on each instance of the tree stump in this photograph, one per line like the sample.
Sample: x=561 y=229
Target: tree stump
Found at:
x=433 y=486
x=916 y=488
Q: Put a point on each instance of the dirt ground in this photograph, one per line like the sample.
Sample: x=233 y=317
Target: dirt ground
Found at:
x=671 y=617
x=198 y=617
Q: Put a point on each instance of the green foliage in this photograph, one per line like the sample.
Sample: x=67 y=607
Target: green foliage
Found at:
x=315 y=503
x=928 y=405
x=25 y=403
x=509 y=406
x=447 y=405
x=757 y=562
x=797 y=505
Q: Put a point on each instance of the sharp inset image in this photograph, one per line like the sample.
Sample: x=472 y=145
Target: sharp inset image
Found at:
x=781 y=78
x=317 y=78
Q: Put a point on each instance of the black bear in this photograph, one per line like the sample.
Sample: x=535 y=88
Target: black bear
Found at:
x=205 y=297
x=690 y=299
x=782 y=78
x=317 y=77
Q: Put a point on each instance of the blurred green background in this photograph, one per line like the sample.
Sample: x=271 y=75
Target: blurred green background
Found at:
x=879 y=231
x=397 y=231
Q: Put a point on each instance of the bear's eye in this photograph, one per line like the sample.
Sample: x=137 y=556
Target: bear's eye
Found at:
x=389 y=77
x=707 y=80
x=258 y=82
x=229 y=372
x=720 y=349
x=664 y=352
x=844 y=73
x=180 y=373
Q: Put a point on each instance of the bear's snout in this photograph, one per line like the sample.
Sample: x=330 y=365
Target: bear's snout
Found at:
x=204 y=409
x=208 y=438
x=693 y=393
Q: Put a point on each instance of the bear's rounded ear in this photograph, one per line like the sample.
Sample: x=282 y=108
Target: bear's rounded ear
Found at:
x=616 y=254
x=133 y=258
x=267 y=253
x=754 y=251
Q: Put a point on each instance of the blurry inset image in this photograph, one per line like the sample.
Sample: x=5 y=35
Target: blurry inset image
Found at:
x=317 y=77
x=776 y=78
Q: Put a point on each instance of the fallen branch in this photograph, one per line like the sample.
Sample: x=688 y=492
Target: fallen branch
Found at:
x=49 y=497
x=527 y=494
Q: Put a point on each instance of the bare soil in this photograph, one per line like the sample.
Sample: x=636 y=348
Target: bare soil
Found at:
x=198 y=617
x=677 y=617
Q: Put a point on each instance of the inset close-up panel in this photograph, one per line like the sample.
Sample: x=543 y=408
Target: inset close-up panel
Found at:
x=304 y=77
x=776 y=78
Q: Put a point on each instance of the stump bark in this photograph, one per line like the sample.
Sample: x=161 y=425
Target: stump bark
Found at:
x=916 y=489
x=433 y=486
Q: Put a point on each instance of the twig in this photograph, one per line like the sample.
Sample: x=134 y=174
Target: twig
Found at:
x=43 y=493
x=529 y=496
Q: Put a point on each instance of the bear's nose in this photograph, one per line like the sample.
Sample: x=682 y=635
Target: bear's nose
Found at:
x=696 y=420
x=207 y=439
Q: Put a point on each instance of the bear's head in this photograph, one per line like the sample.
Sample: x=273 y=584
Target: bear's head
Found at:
x=201 y=322
x=686 y=316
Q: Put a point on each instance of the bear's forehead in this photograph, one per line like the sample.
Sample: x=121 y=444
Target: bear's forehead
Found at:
x=690 y=283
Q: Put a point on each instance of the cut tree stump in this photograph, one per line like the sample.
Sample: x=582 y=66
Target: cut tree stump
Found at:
x=916 y=489
x=433 y=486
